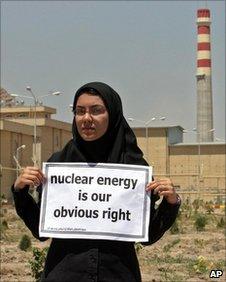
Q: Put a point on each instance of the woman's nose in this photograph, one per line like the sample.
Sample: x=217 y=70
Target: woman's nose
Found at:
x=87 y=116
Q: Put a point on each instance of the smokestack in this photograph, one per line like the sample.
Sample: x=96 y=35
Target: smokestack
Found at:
x=204 y=79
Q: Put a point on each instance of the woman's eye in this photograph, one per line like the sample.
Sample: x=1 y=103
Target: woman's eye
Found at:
x=97 y=110
x=80 y=111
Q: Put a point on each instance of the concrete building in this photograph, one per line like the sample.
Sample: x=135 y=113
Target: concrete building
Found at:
x=17 y=128
x=53 y=133
x=194 y=168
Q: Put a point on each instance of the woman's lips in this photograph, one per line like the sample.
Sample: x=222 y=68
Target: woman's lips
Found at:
x=87 y=129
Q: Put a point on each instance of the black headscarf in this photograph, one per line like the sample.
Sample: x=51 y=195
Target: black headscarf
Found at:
x=117 y=145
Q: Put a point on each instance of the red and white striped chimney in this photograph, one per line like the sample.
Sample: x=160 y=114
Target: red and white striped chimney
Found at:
x=204 y=79
x=203 y=50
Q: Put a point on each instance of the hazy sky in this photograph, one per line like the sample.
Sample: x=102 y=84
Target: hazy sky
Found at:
x=146 y=50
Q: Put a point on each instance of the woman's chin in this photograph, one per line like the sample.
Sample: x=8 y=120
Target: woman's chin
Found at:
x=89 y=137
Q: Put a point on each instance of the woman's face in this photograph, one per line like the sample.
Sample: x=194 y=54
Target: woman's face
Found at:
x=91 y=117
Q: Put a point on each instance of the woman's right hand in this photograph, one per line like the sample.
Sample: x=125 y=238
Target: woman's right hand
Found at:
x=29 y=176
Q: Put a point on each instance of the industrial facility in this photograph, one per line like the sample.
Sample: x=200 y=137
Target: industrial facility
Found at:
x=29 y=135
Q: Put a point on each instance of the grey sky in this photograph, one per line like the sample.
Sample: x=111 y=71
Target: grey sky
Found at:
x=146 y=50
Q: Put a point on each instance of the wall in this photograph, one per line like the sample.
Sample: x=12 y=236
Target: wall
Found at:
x=10 y=141
x=185 y=162
x=53 y=140
x=157 y=148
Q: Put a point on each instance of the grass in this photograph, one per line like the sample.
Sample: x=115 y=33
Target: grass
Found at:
x=192 y=250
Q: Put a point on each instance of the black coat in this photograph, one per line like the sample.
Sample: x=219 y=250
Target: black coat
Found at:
x=80 y=260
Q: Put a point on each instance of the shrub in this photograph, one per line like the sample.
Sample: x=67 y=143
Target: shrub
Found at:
x=4 y=224
x=25 y=243
x=175 y=228
x=3 y=199
x=3 y=212
x=197 y=203
x=37 y=263
x=199 y=242
x=221 y=223
x=3 y=228
x=138 y=247
x=200 y=222
x=167 y=247
x=202 y=265
x=209 y=208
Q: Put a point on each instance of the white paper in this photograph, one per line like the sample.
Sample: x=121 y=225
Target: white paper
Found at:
x=95 y=201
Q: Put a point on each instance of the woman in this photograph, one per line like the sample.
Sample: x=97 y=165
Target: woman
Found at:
x=100 y=134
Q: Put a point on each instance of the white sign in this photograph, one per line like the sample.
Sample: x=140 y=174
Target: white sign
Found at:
x=95 y=201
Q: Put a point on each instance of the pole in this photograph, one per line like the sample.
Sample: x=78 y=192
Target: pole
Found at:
x=17 y=166
x=199 y=166
x=146 y=134
x=35 y=126
x=35 y=135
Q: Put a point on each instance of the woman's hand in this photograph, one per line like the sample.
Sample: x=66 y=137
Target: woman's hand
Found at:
x=29 y=176
x=163 y=187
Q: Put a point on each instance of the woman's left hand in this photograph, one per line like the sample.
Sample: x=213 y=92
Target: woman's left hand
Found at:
x=163 y=187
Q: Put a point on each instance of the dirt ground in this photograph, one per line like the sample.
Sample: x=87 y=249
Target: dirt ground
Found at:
x=187 y=255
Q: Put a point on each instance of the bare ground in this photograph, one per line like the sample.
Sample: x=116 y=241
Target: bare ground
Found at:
x=189 y=255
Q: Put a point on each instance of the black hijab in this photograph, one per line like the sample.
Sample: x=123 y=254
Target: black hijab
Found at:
x=117 y=145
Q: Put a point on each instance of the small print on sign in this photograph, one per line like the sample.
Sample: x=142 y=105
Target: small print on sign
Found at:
x=98 y=201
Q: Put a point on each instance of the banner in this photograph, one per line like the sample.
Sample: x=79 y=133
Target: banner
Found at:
x=95 y=201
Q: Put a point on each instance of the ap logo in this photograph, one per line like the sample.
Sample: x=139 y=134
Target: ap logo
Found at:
x=216 y=273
